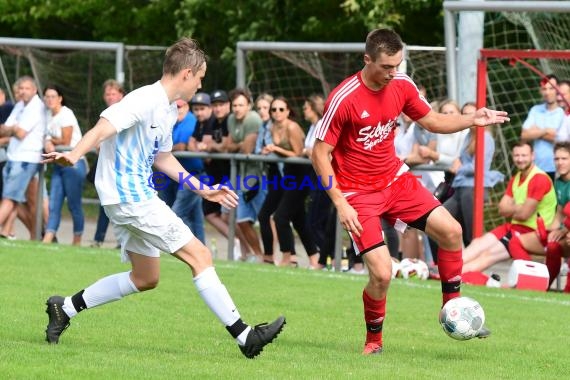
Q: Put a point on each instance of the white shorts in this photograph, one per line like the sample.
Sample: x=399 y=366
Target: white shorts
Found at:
x=147 y=228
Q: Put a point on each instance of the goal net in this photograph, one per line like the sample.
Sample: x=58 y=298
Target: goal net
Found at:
x=297 y=70
x=79 y=73
x=513 y=78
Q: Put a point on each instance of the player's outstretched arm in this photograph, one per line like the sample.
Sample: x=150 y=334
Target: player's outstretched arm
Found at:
x=100 y=132
x=439 y=123
x=166 y=163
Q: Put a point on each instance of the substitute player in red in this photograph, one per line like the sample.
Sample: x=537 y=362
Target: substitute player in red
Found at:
x=370 y=182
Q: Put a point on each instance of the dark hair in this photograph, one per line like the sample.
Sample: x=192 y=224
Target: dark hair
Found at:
x=383 y=41
x=521 y=143
x=564 y=145
x=236 y=92
x=184 y=54
x=284 y=100
x=468 y=104
x=547 y=79
x=317 y=104
x=57 y=90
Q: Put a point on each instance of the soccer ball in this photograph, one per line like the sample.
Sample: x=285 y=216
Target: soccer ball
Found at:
x=413 y=268
x=462 y=318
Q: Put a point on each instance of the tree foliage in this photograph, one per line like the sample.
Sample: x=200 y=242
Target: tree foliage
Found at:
x=220 y=24
x=129 y=21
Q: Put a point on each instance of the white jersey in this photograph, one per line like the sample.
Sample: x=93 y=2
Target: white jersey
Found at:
x=144 y=120
x=31 y=118
x=64 y=118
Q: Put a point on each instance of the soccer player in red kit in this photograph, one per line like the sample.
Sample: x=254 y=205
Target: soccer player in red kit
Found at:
x=370 y=182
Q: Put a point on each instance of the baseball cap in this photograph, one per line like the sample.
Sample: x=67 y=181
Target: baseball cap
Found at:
x=220 y=96
x=201 y=98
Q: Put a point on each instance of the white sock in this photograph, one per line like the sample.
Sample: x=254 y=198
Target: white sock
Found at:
x=216 y=296
x=68 y=308
x=109 y=289
x=243 y=336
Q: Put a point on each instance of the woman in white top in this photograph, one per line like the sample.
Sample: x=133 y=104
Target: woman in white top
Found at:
x=66 y=181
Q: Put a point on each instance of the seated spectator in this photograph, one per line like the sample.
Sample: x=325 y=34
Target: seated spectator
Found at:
x=66 y=181
x=557 y=244
x=529 y=193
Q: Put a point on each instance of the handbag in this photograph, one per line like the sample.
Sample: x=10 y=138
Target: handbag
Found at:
x=443 y=191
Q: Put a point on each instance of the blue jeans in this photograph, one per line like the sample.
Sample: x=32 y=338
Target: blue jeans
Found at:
x=188 y=207
x=102 y=225
x=67 y=182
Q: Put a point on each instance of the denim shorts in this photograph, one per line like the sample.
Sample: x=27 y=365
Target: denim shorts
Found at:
x=16 y=176
x=247 y=211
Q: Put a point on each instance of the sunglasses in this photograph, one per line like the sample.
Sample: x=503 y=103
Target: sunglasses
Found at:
x=281 y=109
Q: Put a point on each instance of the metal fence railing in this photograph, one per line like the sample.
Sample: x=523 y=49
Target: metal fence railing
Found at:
x=235 y=160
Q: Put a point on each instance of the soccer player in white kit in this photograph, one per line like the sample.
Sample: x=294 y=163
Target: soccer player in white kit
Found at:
x=134 y=135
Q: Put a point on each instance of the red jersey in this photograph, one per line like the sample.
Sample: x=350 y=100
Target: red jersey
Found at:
x=359 y=123
x=538 y=186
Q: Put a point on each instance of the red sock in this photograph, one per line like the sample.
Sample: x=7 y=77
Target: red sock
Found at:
x=567 y=287
x=374 y=313
x=450 y=264
x=553 y=258
x=516 y=250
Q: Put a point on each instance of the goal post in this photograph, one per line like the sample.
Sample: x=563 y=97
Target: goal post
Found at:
x=533 y=33
x=512 y=57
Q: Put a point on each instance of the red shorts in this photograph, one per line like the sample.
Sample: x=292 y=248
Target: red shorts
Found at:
x=403 y=202
x=516 y=229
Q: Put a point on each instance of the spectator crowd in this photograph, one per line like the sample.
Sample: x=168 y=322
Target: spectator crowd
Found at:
x=281 y=201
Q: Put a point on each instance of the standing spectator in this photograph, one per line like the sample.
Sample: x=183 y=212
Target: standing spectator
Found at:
x=6 y=107
x=26 y=128
x=288 y=141
x=564 y=103
x=143 y=223
x=448 y=145
x=66 y=181
x=8 y=229
x=542 y=124
x=460 y=204
x=273 y=170
x=188 y=204
x=181 y=132
x=214 y=139
x=313 y=109
x=243 y=125
x=113 y=92
x=447 y=151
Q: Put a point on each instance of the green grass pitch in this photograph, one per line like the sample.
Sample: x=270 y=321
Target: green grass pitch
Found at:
x=169 y=333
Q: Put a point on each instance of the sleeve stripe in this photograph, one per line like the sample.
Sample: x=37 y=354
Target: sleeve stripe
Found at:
x=337 y=99
x=402 y=76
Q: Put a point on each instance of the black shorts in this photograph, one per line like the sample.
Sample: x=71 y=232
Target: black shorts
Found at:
x=211 y=207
